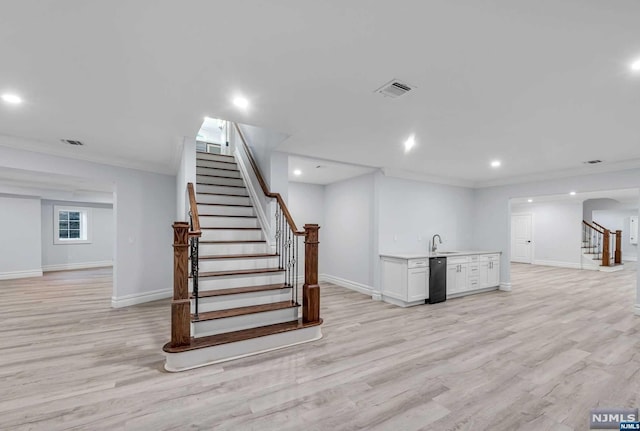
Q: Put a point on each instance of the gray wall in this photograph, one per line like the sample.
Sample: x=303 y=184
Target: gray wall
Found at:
x=73 y=256
x=306 y=205
x=20 y=237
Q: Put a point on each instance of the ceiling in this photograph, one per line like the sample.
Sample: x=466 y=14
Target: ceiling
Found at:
x=540 y=85
x=315 y=171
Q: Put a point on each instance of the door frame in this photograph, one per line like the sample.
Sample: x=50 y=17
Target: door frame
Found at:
x=533 y=243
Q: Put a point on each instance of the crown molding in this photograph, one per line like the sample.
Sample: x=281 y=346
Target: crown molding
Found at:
x=417 y=176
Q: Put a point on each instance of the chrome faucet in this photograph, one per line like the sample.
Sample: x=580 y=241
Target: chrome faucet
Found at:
x=434 y=247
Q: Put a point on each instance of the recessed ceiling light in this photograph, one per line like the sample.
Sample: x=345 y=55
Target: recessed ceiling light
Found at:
x=635 y=66
x=529 y=200
x=409 y=143
x=241 y=102
x=572 y=193
x=12 y=98
x=297 y=172
x=496 y=164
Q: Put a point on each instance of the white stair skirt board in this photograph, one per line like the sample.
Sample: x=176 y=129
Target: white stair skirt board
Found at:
x=232 y=235
x=222 y=199
x=74 y=266
x=207 y=265
x=241 y=300
x=224 y=221
x=247 y=321
x=234 y=248
x=215 y=157
x=225 y=352
x=214 y=164
x=11 y=275
x=217 y=172
x=353 y=285
x=223 y=190
x=221 y=181
x=230 y=281
x=225 y=210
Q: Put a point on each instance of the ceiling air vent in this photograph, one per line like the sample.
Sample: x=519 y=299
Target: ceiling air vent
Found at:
x=592 y=162
x=394 y=88
x=71 y=142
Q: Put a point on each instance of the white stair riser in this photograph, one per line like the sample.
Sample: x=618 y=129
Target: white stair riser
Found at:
x=228 y=282
x=231 y=235
x=239 y=248
x=218 y=199
x=207 y=265
x=223 y=190
x=215 y=157
x=237 y=323
x=215 y=221
x=218 y=172
x=241 y=300
x=219 y=180
x=225 y=210
x=214 y=164
x=225 y=352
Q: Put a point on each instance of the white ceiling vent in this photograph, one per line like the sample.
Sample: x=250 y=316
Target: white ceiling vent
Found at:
x=395 y=88
x=592 y=162
x=71 y=142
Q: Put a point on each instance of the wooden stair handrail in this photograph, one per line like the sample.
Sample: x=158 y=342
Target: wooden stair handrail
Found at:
x=592 y=227
x=601 y=227
x=265 y=188
x=193 y=206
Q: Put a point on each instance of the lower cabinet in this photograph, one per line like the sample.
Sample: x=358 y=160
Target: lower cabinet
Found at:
x=404 y=282
x=470 y=273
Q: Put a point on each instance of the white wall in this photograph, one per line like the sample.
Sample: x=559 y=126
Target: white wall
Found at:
x=492 y=210
x=97 y=253
x=20 y=237
x=144 y=208
x=306 y=205
x=619 y=220
x=557 y=230
x=411 y=212
x=186 y=174
x=348 y=235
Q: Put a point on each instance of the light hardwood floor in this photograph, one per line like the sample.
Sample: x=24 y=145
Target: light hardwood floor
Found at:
x=563 y=342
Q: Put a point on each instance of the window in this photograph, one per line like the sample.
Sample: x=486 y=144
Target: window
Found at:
x=71 y=225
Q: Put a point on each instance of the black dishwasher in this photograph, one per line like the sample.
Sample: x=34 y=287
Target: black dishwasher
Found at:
x=437 y=279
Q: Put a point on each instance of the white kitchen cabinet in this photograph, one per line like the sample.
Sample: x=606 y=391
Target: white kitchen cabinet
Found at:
x=489 y=271
x=404 y=282
x=457 y=275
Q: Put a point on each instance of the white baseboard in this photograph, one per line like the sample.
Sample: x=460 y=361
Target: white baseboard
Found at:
x=140 y=298
x=636 y=309
x=629 y=258
x=505 y=287
x=72 y=266
x=557 y=263
x=10 y=275
x=353 y=285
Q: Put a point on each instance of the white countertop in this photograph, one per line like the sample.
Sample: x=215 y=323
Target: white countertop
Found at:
x=426 y=254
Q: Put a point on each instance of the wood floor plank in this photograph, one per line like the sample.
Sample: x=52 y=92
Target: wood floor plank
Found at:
x=562 y=342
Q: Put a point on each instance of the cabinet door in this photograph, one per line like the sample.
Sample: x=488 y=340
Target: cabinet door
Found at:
x=484 y=274
x=452 y=278
x=394 y=279
x=417 y=284
x=461 y=280
x=494 y=274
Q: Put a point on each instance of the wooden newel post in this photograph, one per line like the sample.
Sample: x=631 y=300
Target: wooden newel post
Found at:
x=606 y=253
x=311 y=289
x=618 y=255
x=181 y=305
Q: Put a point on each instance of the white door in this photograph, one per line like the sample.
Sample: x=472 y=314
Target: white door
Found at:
x=521 y=238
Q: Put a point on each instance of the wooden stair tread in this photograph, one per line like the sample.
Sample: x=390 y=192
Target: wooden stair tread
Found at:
x=239 y=272
x=245 y=334
x=221 y=185
x=237 y=256
x=213 y=154
x=226 y=205
x=213 y=167
x=243 y=311
x=221 y=194
x=226 y=215
x=218 y=176
x=238 y=290
x=246 y=241
x=202 y=159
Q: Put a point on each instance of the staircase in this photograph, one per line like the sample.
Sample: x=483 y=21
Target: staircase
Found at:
x=243 y=296
x=597 y=245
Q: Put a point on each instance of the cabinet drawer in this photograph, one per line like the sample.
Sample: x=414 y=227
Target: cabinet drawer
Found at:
x=474 y=269
x=490 y=257
x=473 y=259
x=457 y=260
x=474 y=283
x=418 y=263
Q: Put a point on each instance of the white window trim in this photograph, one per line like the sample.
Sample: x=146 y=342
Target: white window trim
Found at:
x=86 y=225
